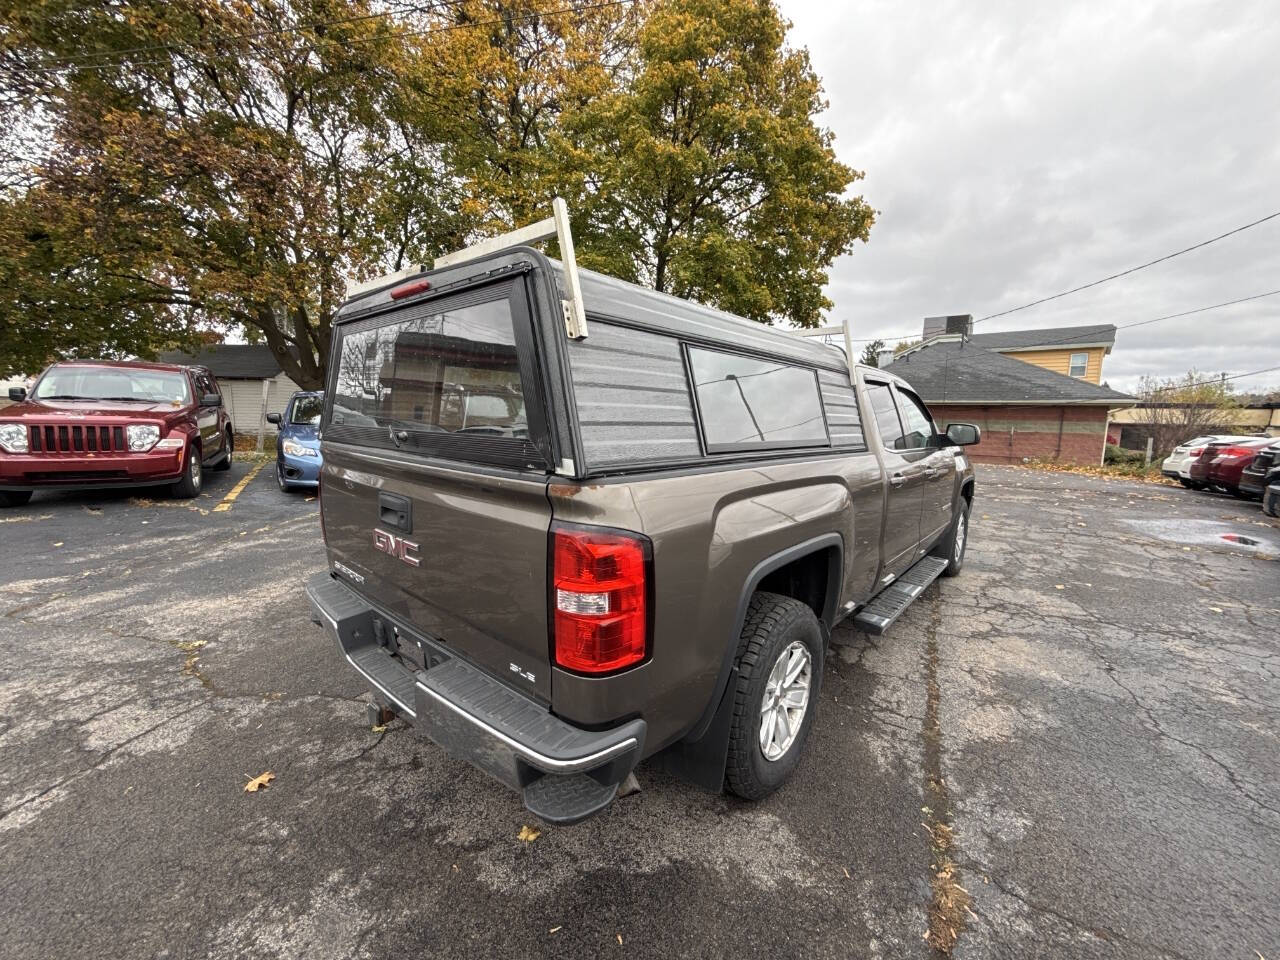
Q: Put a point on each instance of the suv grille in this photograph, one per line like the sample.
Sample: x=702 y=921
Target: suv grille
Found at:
x=76 y=438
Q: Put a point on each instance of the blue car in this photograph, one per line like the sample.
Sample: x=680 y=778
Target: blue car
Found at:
x=298 y=446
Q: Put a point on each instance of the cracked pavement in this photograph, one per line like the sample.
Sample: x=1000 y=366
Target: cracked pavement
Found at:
x=1091 y=710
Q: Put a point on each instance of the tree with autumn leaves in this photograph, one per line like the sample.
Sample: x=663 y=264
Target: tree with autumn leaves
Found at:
x=173 y=171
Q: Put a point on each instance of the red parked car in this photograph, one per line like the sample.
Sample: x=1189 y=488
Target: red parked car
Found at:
x=96 y=425
x=1221 y=464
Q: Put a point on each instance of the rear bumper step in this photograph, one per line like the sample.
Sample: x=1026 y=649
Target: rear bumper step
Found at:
x=565 y=773
x=891 y=602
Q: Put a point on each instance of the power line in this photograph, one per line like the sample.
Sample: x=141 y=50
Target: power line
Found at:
x=1125 y=273
x=1122 y=326
x=447 y=28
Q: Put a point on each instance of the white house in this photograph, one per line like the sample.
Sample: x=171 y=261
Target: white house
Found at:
x=251 y=380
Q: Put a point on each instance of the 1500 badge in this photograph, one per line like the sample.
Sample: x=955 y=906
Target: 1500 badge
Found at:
x=398 y=547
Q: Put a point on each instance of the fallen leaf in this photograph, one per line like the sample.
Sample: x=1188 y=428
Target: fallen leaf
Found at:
x=379 y=728
x=1058 y=586
x=260 y=781
x=308 y=500
x=527 y=834
x=556 y=929
x=846 y=874
x=619 y=939
x=58 y=544
x=1216 y=609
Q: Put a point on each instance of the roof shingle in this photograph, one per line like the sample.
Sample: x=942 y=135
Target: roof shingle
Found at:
x=230 y=361
x=1046 y=337
x=950 y=371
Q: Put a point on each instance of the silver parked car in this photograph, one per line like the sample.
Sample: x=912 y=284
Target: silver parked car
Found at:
x=1177 y=466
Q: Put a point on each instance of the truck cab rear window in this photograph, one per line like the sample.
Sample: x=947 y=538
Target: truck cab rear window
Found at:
x=439 y=378
x=748 y=403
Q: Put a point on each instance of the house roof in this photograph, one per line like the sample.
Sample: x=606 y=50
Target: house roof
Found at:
x=953 y=371
x=1090 y=335
x=230 y=361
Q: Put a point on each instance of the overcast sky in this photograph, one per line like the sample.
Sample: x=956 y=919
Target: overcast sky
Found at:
x=1014 y=150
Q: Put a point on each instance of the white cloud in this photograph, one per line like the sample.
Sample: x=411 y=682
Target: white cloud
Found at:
x=1015 y=150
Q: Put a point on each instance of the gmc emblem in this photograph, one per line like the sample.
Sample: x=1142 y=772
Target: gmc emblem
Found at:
x=398 y=547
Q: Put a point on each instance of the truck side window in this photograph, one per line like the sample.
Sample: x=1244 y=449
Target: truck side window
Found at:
x=745 y=402
x=886 y=414
x=917 y=424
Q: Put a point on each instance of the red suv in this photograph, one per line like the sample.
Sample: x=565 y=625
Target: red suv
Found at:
x=96 y=425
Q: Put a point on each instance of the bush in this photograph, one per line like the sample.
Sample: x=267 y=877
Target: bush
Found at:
x=1121 y=456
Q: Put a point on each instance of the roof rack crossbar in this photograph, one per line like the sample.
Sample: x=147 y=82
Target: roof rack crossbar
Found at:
x=840 y=329
x=556 y=225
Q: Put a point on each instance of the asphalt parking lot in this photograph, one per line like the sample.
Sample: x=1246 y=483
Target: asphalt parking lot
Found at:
x=1071 y=750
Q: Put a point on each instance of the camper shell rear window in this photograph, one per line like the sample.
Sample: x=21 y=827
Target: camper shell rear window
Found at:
x=452 y=377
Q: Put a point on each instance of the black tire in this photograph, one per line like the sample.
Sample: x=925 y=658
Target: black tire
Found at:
x=1271 y=501
x=285 y=485
x=192 y=481
x=774 y=623
x=14 y=498
x=225 y=462
x=947 y=546
x=1189 y=484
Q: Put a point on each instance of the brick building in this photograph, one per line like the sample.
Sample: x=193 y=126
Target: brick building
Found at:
x=1025 y=410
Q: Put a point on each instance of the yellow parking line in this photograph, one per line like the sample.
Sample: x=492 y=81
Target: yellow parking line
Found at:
x=225 y=504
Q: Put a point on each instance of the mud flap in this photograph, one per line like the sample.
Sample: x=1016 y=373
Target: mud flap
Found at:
x=702 y=761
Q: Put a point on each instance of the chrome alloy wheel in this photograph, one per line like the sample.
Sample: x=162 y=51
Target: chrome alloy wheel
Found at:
x=786 y=698
x=961 y=523
x=195 y=468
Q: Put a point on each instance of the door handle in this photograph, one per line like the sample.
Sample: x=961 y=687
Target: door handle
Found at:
x=395 y=511
x=897 y=480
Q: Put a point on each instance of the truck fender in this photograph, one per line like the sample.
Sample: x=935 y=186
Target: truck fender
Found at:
x=700 y=755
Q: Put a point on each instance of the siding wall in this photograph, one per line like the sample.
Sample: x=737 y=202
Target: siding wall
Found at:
x=1010 y=434
x=1059 y=361
x=243 y=399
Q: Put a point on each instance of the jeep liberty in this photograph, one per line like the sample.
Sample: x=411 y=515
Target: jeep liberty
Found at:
x=573 y=523
x=94 y=425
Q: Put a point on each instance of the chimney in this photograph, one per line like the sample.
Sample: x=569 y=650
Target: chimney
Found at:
x=961 y=323
x=884 y=357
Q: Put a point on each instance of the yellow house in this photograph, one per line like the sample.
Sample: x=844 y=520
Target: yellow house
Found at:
x=1071 y=351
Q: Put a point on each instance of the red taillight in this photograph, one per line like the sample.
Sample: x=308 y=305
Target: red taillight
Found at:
x=409 y=289
x=599 y=598
x=1195 y=451
x=1235 y=451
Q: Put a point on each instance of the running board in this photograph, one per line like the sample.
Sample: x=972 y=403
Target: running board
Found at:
x=891 y=602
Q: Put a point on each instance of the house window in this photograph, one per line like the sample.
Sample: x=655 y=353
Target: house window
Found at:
x=1079 y=364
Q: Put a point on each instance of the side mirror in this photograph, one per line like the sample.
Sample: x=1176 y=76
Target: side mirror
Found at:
x=17 y=394
x=273 y=418
x=963 y=434
x=211 y=400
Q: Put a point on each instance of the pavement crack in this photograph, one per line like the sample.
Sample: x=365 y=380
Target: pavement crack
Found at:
x=1155 y=723
x=102 y=758
x=949 y=906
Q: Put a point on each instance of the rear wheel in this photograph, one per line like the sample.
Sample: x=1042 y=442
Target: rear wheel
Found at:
x=225 y=462
x=1189 y=484
x=779 y=679
x=14 y=498
x=192 y=475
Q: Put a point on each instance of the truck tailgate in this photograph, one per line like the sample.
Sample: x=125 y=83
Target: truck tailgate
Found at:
x=465 y=563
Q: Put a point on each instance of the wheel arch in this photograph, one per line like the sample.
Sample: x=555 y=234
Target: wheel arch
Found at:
x=700 y=754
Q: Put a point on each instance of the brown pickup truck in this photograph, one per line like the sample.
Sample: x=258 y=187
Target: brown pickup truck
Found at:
x=561 y=544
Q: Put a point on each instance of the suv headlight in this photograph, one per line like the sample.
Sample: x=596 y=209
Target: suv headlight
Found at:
x=142 y=436
x=13 y=437
x=294 y=449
